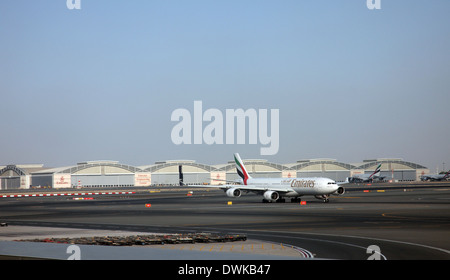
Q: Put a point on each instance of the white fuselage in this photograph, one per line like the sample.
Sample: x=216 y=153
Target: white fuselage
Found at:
x=297 y=186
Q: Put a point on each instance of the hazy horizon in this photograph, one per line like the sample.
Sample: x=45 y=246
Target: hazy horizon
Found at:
x=101 y=83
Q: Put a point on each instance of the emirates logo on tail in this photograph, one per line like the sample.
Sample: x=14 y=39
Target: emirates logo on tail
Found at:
x=240 y=168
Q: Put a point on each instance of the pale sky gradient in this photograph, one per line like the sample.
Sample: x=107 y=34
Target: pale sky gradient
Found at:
x=101 y=82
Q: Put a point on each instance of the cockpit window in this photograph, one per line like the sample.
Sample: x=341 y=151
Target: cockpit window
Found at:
x=331 y=183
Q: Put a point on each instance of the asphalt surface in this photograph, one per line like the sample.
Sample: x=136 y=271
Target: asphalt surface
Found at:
x=403 y=224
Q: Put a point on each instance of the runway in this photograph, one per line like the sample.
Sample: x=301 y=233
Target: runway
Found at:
x=402 y=223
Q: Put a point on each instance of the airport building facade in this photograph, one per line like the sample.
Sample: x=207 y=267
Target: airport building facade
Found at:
x=166 y=173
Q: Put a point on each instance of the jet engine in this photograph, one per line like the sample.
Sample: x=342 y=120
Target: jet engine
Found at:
x=233 y=192
x=271 y=195
x=340 y=191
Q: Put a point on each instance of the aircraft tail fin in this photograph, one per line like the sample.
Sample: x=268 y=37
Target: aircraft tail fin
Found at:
x=180 y=175
x=447 y=174
x=377 y=170
x=240 y=168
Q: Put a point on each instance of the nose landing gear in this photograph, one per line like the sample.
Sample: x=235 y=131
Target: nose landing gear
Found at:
x=323 y=197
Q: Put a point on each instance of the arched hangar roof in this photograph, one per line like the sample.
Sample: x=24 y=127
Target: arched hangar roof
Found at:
x=15 y=170
x=394 y=164
x=172 y=166
x=330 y=164
x=102 y=167
x=20 y=169
x=254 y=166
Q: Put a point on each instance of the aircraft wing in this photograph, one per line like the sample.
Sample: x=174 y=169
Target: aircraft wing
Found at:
x=246 y=188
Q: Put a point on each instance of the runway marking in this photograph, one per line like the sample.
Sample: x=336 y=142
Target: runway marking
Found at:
x=440 y=219
x=342 y=243
x=360 y=237
x=330 y=241
x=62 y=194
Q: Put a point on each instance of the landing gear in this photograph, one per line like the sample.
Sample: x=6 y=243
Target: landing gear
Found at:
x=323 y=197
x=282 y=200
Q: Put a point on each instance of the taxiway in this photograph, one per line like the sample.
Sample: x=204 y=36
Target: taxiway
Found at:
x=402 y=223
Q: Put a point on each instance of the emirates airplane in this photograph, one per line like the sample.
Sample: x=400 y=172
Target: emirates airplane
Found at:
x=276 y=189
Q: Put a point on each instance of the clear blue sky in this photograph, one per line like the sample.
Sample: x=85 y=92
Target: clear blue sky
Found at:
x=101 y=82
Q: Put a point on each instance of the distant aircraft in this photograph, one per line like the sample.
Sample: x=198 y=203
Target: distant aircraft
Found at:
x=362 y=178
x=435 y=177
x=276 y=189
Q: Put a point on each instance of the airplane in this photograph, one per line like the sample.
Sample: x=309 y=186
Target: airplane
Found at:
x=276 y=189
x=435 y=177
x=361 y=178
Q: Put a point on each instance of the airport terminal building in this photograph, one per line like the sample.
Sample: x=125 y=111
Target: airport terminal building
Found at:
x=166 y=173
